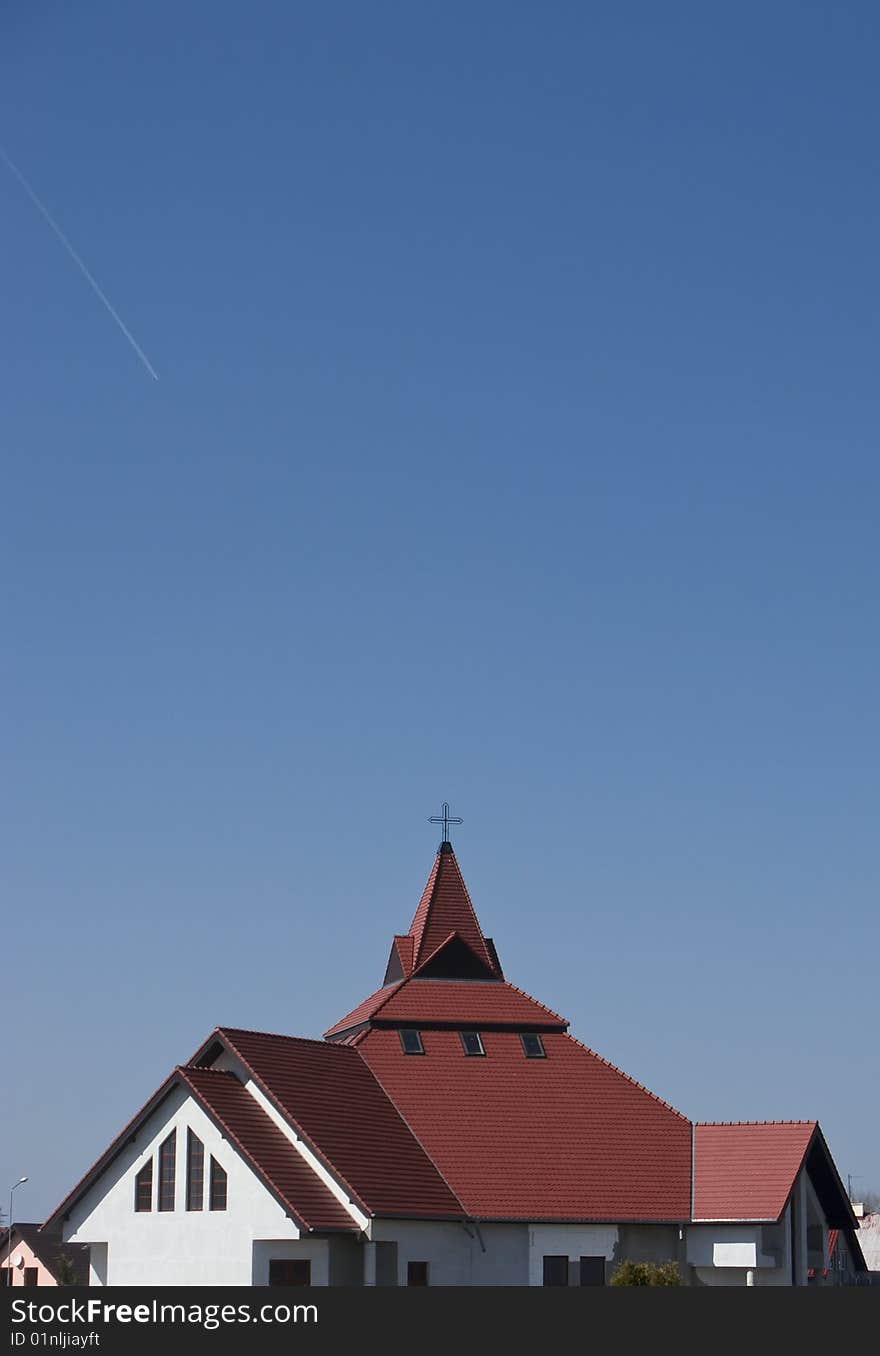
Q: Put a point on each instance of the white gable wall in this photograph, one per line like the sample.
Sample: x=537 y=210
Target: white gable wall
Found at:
x=179 y=1247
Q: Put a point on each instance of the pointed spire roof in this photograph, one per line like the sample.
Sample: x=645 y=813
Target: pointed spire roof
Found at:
x=444 y=909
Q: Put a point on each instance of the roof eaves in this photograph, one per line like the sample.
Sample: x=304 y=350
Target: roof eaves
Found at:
x=338 y=1029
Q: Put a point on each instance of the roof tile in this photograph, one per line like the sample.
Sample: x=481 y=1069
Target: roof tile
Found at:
x=744 y=1170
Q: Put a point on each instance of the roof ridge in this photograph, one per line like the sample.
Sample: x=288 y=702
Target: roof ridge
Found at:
x=337 y=1028
x=273 y=1035
x=189 y=1069
x=790 y=1122
x=532 y=999
x=629 y=1078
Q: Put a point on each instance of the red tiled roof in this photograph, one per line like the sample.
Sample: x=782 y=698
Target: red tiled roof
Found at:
x=365 y=1009
x=334 y=1101
x=467 y=1002
x=566 y=1137
x=404 y=948
x=445 y=907
x=744 y=1170
x=268 y=1151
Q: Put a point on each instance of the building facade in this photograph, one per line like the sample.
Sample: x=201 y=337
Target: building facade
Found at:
x=449 y=1130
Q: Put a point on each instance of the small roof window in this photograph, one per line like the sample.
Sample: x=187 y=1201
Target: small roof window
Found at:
x=472 y=1042
x=533 y=1046
x=411 y=1041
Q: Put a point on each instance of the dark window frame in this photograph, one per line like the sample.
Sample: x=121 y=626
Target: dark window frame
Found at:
x=591 y=1270
x=302 y=1265
x=526 y=1036
x=143 y=1188
x=411 y=1031
x=420 y=1270
x=195 y=1171
x=31 y=1276
x=476 y=1036
x=167 y=1187
x=555 y=1269
x=219 y=1186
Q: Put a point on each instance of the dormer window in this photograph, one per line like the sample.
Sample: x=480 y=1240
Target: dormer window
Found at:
x=472 y=1043
x=533 y=1046
x=411 y=1041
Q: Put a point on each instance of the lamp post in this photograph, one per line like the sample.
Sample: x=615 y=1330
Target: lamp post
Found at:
x=21 y=1181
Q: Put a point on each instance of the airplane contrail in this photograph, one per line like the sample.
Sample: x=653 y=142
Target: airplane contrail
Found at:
x=44 y=212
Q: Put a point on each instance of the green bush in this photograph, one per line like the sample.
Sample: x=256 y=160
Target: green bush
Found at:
x=646 y=1273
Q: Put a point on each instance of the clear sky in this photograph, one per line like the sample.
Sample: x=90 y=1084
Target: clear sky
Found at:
x=515 y=444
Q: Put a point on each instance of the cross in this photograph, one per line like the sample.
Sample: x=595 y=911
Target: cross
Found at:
x=445 y=819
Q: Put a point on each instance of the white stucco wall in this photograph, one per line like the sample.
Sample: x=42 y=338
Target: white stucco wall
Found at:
x=181 y=1247
x=568 y=1240
x=455 y=1256
x=722 y=1254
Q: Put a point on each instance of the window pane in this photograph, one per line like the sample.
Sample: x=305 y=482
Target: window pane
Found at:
x=30 y=1275
x=532 y=1045
x=195 y=1171
x=472 y=1042
x=143 y=1188
x=556 y=1271
x=417 y=1273
x=411 y=1042
x=592 y=1271
x=167 y=1166
x=218 y=1186
x=290 y=1271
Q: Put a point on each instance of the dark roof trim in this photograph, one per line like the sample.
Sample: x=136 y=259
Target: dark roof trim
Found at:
x=473 y=1024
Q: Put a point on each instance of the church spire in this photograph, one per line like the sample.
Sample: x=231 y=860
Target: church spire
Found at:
x=445 y=919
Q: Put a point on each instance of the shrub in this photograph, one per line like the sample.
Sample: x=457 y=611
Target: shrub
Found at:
x=66 y=1271
x=646 y=1273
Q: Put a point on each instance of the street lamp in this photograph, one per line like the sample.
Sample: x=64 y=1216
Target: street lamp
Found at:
x=21 y=1181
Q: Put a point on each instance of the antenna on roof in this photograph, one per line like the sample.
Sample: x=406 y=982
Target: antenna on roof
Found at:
x=445 y=819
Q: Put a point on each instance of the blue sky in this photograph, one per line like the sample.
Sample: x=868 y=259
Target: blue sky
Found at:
x=514 y=444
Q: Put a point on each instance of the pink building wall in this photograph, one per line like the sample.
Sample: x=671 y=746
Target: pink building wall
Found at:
x=21 y=1249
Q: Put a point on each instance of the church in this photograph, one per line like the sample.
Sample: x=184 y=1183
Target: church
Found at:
x=448 y=1131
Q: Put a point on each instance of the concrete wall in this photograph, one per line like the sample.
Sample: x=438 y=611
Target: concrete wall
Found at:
x=179 y=1247
x=264 y=1250
x=454 y=1255
x=568 y=1240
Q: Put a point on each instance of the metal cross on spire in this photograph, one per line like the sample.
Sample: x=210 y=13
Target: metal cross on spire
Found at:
x=445 y=819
